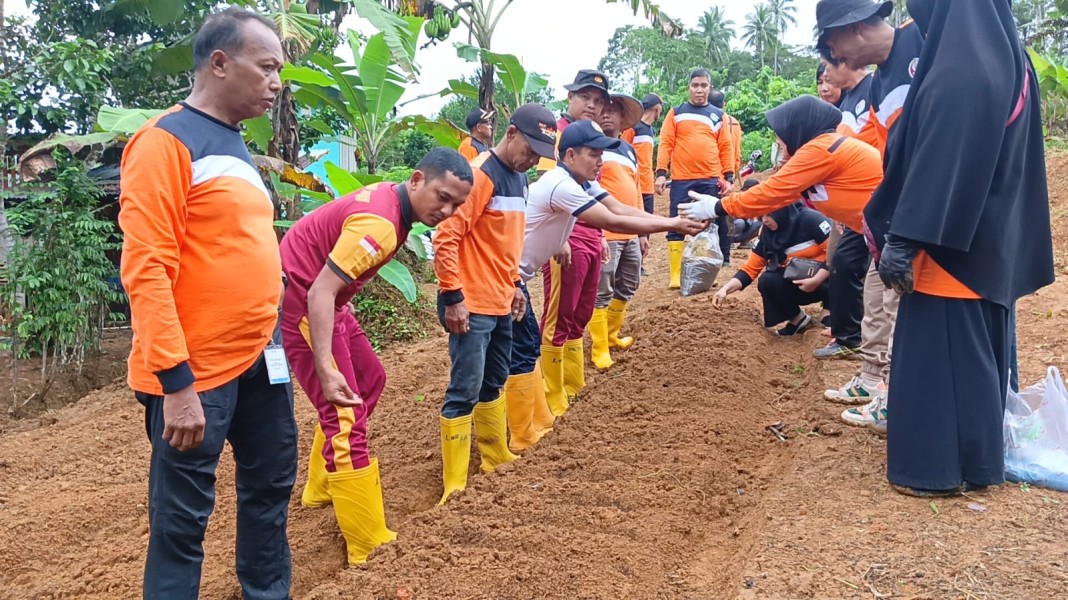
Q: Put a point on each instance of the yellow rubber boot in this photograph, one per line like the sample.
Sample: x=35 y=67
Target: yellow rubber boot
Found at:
x=543 y=417
x=617 y=313
x=599 y=354
x=574 y=369
x=491 y=433
x=675 y=264
x=553 y=368
x=520 y=394
x=455 y=454
x=357 y=499
x=316 y=492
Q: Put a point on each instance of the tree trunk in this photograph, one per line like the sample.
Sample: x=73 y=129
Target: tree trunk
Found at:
x=485 y=91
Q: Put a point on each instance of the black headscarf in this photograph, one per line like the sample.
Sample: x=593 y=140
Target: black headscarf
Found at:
x=801 y=120
x=789 y=231
x=965 y=171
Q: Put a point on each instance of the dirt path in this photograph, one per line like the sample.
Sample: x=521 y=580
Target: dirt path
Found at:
x=662 y=482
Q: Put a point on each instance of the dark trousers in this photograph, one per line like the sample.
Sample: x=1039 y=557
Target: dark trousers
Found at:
x=745 y=230
x=526 y=341
x=783 y=299
x=649 y=201
x=257 y=419
x=680 y=194
x=947 y=393
x=846 y=292
x=480 y=362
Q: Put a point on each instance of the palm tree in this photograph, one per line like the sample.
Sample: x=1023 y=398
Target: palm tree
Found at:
x=783 y=14
x=717 y=33
x=759 y=32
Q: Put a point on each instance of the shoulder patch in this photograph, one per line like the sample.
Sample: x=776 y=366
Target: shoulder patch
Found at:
x=861 y=107
x=912 y=67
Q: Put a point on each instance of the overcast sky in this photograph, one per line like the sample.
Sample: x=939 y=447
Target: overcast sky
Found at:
x=558 y=37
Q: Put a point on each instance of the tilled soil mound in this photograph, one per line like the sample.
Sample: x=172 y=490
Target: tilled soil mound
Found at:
x=666 y=480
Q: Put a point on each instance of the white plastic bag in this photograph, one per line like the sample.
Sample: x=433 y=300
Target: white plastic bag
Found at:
x=1036 y=433
x=701 y=262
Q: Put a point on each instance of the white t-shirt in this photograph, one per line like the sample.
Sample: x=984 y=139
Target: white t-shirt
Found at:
x=554 y=204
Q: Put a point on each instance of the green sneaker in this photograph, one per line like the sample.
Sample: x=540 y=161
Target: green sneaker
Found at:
x=836 y=350
x=869 y=415
x=857 y=391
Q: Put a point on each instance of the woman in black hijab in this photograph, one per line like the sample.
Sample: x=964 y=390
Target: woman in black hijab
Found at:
x=962 y=246
x=788 y=233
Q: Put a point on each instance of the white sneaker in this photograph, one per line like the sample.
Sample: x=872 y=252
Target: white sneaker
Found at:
x=857 y=391
x=872 y=414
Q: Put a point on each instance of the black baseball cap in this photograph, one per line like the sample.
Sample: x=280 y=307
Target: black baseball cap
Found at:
x=589 y=78
x=538 y=126
x=477 y=115
x=586 y=133
x=831 y=14
x=651 y=100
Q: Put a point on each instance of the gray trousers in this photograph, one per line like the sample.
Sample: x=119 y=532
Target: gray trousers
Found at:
x=622 y=275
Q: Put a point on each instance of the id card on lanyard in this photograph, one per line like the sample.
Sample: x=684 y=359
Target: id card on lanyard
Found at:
x=277 y=366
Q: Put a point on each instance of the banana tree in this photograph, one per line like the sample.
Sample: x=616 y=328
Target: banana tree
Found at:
x=365 y=92
x=481 y=18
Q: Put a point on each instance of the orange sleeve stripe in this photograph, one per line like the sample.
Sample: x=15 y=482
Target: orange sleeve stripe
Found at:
x=468 y=150
x=451 y=231
x=367 y=240
x=933 y=280
x=667 y=142
x=754 y=266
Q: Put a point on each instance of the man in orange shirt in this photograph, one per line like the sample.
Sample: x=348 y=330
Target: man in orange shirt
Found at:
x=200 y=264
x=480 y=126
x=643 y=137
x=476 y=260
x=696 y=146
x=328 y=256
x=855 y=33
x=622 y=274
x=719 y=100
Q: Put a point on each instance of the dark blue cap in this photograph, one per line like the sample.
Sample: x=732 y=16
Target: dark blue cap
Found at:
x=586 y=133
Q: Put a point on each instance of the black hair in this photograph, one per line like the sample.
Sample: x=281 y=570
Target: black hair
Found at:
x=440 y=161
x=700 y=72
x=224 y=31
x=825 y=54
x=820 y=70
x=717 y=98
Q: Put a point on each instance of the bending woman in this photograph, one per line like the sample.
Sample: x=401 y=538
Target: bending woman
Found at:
x=788 y=233
x=833 y=174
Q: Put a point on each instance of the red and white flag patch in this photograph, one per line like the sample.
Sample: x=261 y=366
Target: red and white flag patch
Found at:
x=372 y=247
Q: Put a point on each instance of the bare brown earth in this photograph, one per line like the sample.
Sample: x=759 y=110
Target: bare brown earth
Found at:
x=663 y=482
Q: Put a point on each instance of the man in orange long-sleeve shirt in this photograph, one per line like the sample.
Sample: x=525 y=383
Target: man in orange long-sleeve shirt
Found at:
x=476 y=259
x=696 y=146
x=719 y=100
x=200 y=264
x=622 y=274
x=643 y=137
x=480 y=133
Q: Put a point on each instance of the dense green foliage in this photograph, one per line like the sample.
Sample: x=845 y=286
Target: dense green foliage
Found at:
x=57 y=300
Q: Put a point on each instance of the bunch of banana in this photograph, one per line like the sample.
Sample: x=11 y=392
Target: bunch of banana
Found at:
x=441 y=23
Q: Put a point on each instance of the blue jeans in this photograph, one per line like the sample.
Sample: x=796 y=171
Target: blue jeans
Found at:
x=480 y=360
x=257 y=419
x=526 y=341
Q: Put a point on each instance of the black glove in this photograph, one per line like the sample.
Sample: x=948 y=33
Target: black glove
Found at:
x=895 y=265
